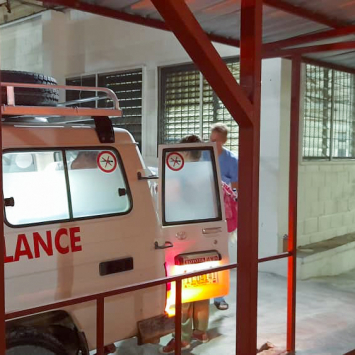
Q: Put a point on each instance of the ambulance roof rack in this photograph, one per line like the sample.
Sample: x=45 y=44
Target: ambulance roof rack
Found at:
x=61 y=109
x=100 y=116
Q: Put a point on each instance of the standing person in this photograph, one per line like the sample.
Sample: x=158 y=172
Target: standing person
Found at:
x=194 y=315
x=228 y=163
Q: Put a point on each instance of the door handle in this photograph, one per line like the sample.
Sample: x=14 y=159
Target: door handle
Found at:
x=165 y=246
x=212 y=230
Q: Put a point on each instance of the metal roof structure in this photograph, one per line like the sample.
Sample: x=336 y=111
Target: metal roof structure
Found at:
x=282 y=20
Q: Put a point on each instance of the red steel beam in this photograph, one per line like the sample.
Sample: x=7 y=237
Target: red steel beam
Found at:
x=305 y=13
x=129 y=288
x=318 y=36
x=139 y=20
x=2 y=253
x=196 y=43
x=292 y=203
x=100 y=325
x=341 y=46
x=178 y=316
x=248 y=199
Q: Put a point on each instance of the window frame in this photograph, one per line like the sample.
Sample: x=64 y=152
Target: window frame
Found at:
x=66 y=174
x=216 y=186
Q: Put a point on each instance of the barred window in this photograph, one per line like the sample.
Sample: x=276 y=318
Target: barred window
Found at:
x=190 y=106
x=180 y=103
x=329 y=120
x=71 y=95
x=127 y=86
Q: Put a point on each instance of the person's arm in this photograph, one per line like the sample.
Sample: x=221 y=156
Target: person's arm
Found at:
x=234 y=172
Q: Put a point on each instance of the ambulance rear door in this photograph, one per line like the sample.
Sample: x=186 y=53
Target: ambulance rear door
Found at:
x=191 y=211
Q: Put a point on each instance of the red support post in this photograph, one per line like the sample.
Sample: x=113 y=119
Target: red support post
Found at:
x=248 y=194
x=292 y=203
x=178 y=316
x=2 y=252
x=100 y=324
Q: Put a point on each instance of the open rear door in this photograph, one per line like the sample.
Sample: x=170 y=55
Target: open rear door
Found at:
x=191 y=212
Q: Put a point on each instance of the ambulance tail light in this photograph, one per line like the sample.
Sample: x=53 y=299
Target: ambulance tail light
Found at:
x=168 y=285
x=170 y=297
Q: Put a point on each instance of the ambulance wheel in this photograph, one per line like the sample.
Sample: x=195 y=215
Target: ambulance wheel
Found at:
x=29 y=96
x=32 y=341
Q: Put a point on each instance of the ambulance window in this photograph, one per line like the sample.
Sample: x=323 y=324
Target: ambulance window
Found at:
x=97 y=184
x=37 y=184
x=190 y=192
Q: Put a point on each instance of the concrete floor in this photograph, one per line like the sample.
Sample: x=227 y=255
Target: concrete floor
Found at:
x=325 y=319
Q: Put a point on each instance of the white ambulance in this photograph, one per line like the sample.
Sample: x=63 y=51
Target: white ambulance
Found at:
x=83 y=215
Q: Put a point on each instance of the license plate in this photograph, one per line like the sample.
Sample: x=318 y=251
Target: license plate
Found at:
x=197 y=258
x=201 y=280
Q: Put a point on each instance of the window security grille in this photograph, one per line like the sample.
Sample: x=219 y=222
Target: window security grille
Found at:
x=328 y=114
x=90 y=81
x=190 y=106
x=127 y=86
x=214 y=111
x=180 y=103
x=343 y=115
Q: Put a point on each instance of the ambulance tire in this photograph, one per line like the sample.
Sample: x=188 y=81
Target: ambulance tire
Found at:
x=30 y=96
x=33 y=341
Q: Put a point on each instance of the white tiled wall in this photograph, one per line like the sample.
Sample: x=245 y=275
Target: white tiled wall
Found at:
x=326 y=201
x=21 y=45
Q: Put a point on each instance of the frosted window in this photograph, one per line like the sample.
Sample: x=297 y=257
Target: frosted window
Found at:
x=190 y=187
x=37 y=184
x=97 y=185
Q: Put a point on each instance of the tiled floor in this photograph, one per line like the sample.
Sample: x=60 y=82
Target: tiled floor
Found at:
x=325 y=319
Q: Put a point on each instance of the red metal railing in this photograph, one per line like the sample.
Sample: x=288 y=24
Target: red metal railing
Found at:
x=100 y=300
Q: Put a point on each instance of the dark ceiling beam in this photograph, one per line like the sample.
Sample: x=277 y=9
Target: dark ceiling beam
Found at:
x=304 y=13
x=341 y=46
x=124 y=16
x=318 y=36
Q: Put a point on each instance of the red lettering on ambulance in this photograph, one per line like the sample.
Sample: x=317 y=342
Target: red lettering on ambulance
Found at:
x=7 y=259
x=22 y=241
x=38 y=240
x=64 y=241
x=60 y=233
x=75 y=239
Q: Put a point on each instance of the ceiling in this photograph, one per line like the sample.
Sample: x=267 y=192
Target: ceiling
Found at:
x=282 y=19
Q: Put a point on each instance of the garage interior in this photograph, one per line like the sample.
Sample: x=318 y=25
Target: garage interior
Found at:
x=307 y=142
